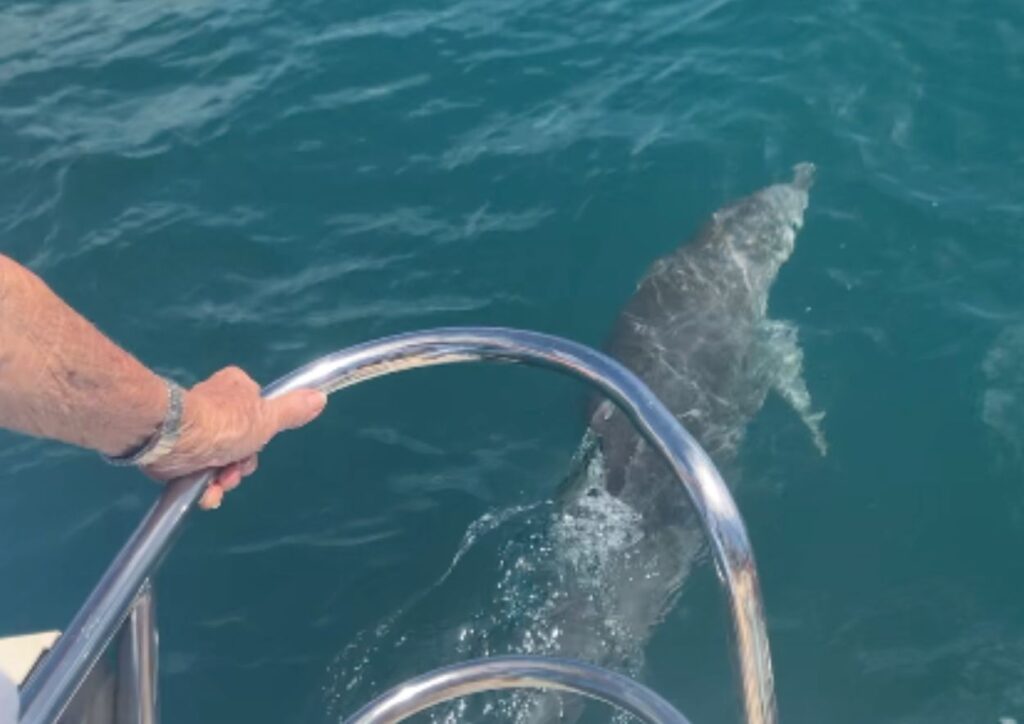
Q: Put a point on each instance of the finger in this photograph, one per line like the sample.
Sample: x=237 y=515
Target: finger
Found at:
x=295 y=409
x=249 y=465
x=212 y=497
x=229 y=477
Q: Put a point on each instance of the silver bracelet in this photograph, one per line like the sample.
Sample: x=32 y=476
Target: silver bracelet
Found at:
x=166 y=436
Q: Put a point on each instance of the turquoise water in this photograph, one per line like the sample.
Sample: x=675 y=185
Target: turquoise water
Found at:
x=262 y=182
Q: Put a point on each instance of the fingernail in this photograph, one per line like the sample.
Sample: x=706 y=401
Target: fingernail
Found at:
x=211 y=499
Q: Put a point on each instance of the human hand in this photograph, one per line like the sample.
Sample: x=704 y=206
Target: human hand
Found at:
x=225 y=423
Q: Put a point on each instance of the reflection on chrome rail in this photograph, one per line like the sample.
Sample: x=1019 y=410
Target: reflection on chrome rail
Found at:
x=56 y=680
x=139 y=657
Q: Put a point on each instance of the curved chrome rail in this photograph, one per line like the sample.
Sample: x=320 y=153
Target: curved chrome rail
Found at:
x=55 y=682
x=516 y=672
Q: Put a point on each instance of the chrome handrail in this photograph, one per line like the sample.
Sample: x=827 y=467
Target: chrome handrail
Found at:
x=61 y=673
x=516 y=672
x=137 y=687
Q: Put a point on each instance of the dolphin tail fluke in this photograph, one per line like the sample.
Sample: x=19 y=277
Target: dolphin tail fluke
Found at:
x=803 y=175
x=784 y=365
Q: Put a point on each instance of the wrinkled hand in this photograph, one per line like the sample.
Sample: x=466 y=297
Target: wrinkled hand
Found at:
x=225 y=423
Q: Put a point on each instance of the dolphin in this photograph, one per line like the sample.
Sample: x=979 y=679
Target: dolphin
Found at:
x=595 y=574
x=697 y=332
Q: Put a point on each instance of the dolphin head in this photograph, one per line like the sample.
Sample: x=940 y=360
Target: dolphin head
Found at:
x=759 y=231
x=803 y=175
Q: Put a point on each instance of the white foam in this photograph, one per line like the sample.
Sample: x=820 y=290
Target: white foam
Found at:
x=596 y=528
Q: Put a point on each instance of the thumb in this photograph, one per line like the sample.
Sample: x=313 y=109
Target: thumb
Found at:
x=296 y=408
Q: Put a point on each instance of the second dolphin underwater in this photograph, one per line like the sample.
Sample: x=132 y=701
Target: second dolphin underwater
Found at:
x=605 y=566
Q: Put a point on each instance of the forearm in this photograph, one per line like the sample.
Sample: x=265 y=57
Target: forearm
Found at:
x=61 y=378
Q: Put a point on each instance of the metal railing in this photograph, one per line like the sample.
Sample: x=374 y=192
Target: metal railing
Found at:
x=139 y=658
x=55 y=682
x=516 y=672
